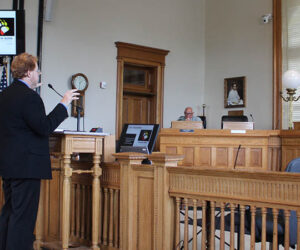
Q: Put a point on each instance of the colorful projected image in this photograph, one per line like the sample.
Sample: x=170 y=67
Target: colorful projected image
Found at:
x=7 y=27
x=145 y=135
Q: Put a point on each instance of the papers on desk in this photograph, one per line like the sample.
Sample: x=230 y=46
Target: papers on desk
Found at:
x=238 y=131
x=58 y=130
x=72 y=132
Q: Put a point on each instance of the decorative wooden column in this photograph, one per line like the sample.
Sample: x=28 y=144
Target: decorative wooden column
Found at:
x=147 y=211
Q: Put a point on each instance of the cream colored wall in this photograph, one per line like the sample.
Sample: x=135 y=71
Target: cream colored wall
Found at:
x=238 y=44
x=198 y=34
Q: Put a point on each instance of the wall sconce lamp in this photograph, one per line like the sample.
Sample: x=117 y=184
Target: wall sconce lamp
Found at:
x=291 y=81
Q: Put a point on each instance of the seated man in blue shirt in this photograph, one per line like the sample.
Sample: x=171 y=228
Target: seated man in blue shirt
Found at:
x=189 y=115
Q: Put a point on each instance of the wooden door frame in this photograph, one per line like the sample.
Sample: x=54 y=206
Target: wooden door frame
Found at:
x=277 y=64
x=144 y=56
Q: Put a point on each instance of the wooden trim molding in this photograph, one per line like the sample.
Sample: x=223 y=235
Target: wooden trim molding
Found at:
x=138 y=52
x=277 y=65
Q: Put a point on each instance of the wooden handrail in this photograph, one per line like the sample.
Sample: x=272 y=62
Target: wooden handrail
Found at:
x=268 y=187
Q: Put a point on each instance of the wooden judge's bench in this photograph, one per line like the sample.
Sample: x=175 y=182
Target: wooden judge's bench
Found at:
x=239 y=149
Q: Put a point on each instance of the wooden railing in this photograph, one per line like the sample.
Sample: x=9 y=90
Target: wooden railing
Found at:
x=80 y=233
x=162 y=206
x=81 y=208
x=110 y=206
x=257 y=196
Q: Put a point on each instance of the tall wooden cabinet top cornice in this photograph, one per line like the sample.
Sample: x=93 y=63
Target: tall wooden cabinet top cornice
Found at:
x=139 y=52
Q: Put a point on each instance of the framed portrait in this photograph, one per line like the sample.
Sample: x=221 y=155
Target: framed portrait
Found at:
x=235 y=92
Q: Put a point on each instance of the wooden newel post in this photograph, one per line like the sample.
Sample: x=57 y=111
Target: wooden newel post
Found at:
x=147 y=211
x=127 y=162
x=164 y=228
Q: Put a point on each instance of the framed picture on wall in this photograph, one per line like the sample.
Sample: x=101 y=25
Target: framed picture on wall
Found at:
x=235 y=92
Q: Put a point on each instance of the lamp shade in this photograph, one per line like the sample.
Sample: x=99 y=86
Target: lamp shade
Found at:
x=291 y=79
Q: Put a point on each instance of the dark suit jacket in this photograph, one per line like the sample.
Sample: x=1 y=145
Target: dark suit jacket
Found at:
x=24 y=133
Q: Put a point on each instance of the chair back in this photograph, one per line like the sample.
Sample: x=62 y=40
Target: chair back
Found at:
x=203 y=119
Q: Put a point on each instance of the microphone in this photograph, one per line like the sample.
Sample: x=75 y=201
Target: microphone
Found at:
x=51 y=87
x=237 y=154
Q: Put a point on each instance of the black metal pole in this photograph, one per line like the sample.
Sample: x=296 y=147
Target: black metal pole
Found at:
x=15 y=4
x=78 y=109
x=21 y=4
x=40 y=37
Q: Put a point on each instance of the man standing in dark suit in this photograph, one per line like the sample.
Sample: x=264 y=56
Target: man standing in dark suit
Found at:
x=24 y=151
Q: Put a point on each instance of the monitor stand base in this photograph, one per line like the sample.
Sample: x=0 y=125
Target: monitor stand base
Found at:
x=146 y=161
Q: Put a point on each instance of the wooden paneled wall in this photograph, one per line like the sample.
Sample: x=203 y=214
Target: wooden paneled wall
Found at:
x=290 y=140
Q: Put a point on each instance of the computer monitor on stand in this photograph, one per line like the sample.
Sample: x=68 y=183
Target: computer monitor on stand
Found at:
x=138 y=138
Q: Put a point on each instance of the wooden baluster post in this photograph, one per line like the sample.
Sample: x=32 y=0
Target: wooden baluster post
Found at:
x=212 y=224
x=83 y=213
x=263 y=230
x=73 y=216
x=204 y=226
x=77 y=210
x=232 y=208
x=242 y=227
x=287 y=215
x=105 y=217
x=252 y=238
x=111 y=214
x=186 y=223
x=222 y=227
x=275 y=228
x=65 y=222
x=116 y=218
x=177 y=226
x=97 y=171
x=194 y=224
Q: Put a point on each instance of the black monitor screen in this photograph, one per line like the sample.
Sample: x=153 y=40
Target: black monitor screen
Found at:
x=138 y=138
x=8 y=36
x=12 y=32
